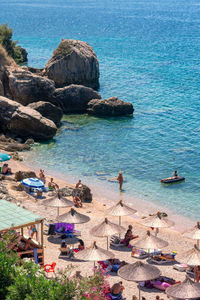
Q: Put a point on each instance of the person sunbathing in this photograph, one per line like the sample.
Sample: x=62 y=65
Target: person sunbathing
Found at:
x=6 y=170
x=81 y=246
x=77 y=201
x=52 y=185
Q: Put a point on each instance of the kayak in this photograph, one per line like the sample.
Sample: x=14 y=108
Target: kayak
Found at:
x=172 y=179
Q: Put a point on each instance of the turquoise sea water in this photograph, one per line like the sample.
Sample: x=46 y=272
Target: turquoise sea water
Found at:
x=149 y=54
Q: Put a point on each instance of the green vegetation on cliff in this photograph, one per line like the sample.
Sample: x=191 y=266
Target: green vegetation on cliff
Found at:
x=18 y=53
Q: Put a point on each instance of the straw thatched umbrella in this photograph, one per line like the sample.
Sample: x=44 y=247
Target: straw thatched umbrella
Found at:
x=185 y=290
x=139 y=272
x=94 y=253
x=191 y=258
x=157 y=221
x=73 y=217
x=193 y=233
x=151 y=242
x=58 y=201
x=120 y=209
x=106 y=229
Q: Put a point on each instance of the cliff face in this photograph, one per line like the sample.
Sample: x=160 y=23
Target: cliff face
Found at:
x=73 y=62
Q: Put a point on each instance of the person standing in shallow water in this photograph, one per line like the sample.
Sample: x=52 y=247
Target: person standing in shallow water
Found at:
x=120 y=180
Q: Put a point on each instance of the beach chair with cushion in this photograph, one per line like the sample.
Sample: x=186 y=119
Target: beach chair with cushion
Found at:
x=163 y=258
x=116 y=241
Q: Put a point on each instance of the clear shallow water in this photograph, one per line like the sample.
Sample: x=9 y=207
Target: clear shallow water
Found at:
x=149 y=55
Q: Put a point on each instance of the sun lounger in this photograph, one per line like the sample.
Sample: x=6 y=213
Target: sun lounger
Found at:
x=162 y=259
x=180 y=267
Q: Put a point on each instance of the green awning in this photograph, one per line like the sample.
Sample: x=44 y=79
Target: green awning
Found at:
x=13 y=216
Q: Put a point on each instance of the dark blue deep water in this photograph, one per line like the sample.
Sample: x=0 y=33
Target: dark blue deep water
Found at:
x=149 y=54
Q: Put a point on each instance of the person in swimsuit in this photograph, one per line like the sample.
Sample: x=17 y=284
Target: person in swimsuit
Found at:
x=34 y=231
x=175 y=174
x=120 y=180
x=42 y=176
x=129 y=235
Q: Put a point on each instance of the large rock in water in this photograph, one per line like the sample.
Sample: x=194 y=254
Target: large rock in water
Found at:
x=73 y=62
x=48 y=110
x=26 y=87
x=74 y=98
x=24 y=121
x=110 y=107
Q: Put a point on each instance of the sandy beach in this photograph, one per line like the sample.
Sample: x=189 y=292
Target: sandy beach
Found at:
x=97 y=212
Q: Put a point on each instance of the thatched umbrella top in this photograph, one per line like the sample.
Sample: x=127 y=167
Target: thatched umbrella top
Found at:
x=120 y=209
x=58 y=201
x=94 y=253
x=193 y=233
x=139 y=272
x=106 y=228
x=191 y=257
x=188 y=289
x=151 y=242
x=157 y=221
x=73 y=217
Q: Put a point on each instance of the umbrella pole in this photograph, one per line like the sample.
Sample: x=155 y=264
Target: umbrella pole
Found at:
x=119 y=225
x=198 y=244
x=139 y=290
x=57 y=211
x=107 y=242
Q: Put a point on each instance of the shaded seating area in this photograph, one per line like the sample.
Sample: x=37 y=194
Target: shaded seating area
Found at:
x=13 y=217
x=62 y=228
x=116 y=241
x=161 y=283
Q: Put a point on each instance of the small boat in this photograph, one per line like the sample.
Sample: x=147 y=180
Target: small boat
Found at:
x=172 y=179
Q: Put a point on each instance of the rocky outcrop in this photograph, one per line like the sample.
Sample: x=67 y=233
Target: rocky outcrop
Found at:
x=74 y=98
x=24 y=121
x=48 y=110
x=83 y=193
x=110 y=107
x=20 y=175
x=73 y=62
x=26 y=87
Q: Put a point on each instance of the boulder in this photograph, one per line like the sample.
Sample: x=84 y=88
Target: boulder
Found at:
x=20 y=175
x=26 y=87
x=24 y=121
x=110 y=107
x=73 y=62
x=74 y=98
x=84 y=193
x=48 y=110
